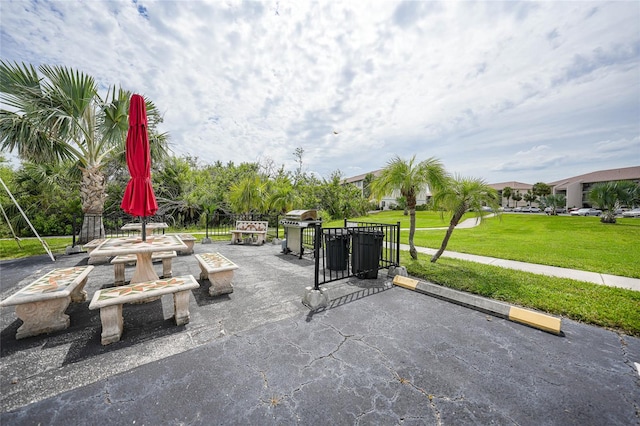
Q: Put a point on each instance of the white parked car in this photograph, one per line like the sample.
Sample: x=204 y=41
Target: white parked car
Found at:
x=535 y=210
x=586 y=212
x=632 y=213
x=558 y=210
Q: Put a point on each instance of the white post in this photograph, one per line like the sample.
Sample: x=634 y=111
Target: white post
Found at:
x=44 y=244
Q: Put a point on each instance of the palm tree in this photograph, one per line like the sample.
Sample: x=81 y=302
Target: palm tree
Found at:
x=516 y=197
x=554 y=201
x=530 y=197
x=61 y=117
x=459 y=196
x=248 y=194
x=506 y=193
x=366 y=185
x=282 y=195
x=410 y=179
x=609 y=196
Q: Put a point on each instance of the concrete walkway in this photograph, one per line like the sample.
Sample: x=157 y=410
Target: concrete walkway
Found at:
x=552 y=271
x=465 y=224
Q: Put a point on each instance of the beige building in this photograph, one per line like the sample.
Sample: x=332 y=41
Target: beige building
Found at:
x=576 y=189
x=388 y=200
x=516 y=187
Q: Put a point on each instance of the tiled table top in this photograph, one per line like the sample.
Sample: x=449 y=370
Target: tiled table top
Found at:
x=129 y=245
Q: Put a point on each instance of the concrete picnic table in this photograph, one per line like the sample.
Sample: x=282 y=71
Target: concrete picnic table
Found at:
x=142 y=249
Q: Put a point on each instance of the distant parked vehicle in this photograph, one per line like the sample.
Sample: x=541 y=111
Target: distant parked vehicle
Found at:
x=632 y=213
x=586 y=212
x=559 y=210
x=535 y=210
x=517 y=209
x=526 y=209
x=507 y=209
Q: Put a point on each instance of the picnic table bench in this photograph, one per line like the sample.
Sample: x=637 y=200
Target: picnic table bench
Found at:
x=110 y=302
x=189 y=241
x=41 y=304
x=120 y=261
x=219 y=270
x=256 y=229
x=91 y=246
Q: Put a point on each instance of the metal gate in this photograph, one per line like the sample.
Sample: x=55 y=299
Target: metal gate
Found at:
x=357 y=249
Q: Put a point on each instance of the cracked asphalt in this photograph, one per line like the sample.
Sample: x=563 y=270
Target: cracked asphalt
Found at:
x=378 y=354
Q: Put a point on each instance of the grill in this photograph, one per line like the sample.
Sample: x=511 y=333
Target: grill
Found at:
x=294 y=224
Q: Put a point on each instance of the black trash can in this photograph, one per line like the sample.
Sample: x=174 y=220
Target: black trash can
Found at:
x=367 y=250
x=337 y=243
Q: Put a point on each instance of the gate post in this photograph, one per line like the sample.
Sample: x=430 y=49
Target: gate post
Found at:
x=206 y=239
x=398 y=245
x=317 y=244
x=316 y=297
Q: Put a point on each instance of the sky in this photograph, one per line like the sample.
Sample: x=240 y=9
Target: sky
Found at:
x=504 y=91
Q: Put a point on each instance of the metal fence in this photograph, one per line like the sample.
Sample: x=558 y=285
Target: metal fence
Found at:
x=358 y=249
x=221 y=223
x=87 y=227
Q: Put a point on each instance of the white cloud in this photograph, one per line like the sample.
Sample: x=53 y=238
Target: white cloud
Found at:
x=479 y=85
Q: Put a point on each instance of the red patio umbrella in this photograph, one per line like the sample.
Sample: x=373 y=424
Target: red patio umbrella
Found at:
x=139 y=199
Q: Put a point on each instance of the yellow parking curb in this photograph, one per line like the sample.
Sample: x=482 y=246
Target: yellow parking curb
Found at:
x=535 y=319
x=405 y=282
x=528 y=317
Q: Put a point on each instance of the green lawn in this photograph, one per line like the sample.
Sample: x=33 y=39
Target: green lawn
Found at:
x=595 y=304
x=9 y=249
x=425 y=219
x=566 y=241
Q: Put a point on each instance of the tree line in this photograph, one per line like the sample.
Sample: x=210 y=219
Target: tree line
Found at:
x=70 y=139
x=71 y=143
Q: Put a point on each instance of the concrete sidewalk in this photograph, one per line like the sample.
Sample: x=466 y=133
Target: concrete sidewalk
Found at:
x=553 y=271
x=379 y=354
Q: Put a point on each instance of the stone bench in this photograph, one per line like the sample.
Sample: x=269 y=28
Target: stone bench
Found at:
x=256 y=229
x=110 y=302
x=41 y=304
x=189 y=241
x=120 y=261
x=91 y=246
x=218 y=270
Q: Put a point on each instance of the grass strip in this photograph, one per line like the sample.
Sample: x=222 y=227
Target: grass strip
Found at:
x=28 y=247
x=574 y=242
x=571 y=242
x=608 y=307
x=9 y=248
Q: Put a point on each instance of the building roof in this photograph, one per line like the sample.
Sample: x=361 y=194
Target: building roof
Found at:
x=513 y=185
x=361 y=177
x=627 y=173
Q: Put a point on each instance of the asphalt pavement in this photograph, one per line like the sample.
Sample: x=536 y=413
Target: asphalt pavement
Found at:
x=378 y=354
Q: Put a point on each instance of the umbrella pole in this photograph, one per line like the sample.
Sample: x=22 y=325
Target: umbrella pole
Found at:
x=144 y=229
